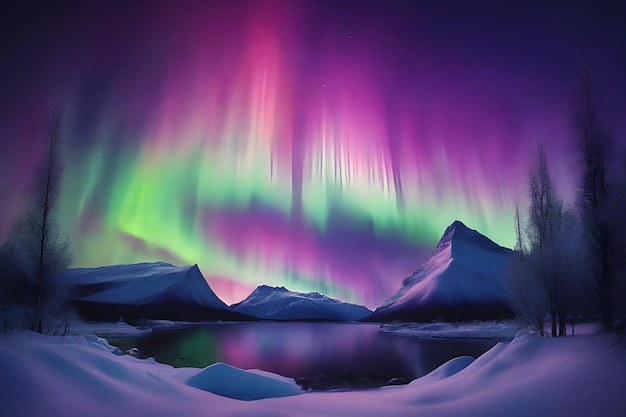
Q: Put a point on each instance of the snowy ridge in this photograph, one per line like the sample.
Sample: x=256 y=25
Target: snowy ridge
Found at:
x=465 y=272
x=278 y=303
x=144 y=290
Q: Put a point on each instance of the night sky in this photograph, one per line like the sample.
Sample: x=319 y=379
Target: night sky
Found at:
x=320 y=145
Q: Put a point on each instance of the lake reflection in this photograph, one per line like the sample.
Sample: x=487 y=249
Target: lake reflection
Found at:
x=301 y=349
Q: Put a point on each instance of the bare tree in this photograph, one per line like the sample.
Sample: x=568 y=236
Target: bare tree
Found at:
x=595 y=145
x=538 y=279
x=570 y=270
x=544 y=222
x=46 y=252
x=524 y=291
x=616 y=224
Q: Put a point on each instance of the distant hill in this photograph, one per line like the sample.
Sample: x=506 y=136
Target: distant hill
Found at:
x=278 y=303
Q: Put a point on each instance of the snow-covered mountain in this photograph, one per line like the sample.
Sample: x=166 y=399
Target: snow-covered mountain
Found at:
x=146 y=290
x=461 y=280
x=278 y=303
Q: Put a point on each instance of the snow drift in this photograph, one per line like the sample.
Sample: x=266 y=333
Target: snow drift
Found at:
x=461 y=280
x=146 y=290
x=231 y=382
x=278 y=303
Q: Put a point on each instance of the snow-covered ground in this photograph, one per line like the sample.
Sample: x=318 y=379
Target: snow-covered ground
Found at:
x=104 y=329
x=77 y=326
x=500 y=330
x=53 y=376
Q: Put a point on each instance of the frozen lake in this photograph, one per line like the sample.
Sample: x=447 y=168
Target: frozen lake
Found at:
x=317 y=355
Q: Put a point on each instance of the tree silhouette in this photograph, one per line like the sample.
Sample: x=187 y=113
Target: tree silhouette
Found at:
x=595 y=147
x=540 y=280
x=46 y=252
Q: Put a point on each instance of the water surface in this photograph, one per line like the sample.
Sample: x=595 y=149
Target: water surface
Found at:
x=357 y=354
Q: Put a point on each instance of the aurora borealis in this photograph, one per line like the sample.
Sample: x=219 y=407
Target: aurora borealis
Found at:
x=317 y=145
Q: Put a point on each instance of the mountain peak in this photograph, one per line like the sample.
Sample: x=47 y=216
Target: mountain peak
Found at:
x=458 y=228
x=462 y=279
x=265 y=289
x=458 y=224
x=458 y=233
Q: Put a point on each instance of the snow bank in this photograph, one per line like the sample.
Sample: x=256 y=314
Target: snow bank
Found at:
x=228 y=381
x=530 y=376
x=477 y=330
x=108 y=329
